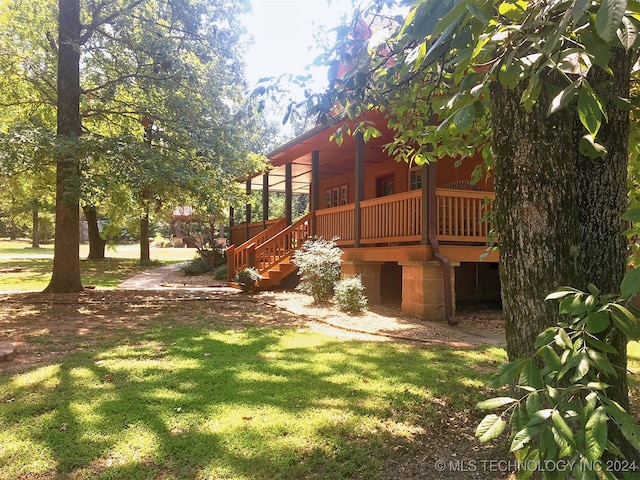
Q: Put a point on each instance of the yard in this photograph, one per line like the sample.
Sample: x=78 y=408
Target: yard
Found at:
x=205 y=383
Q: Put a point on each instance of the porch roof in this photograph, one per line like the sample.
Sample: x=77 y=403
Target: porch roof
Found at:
x=334 y=159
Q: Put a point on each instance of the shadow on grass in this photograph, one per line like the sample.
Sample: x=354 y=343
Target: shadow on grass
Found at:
x=186 y=402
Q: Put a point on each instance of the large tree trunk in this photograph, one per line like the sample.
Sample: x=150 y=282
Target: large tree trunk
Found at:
x=35 y=228
x=602 y=200
x=145 y=256
x=66 y=261
x=536 y=213
x=97 y=244
x=558 y=212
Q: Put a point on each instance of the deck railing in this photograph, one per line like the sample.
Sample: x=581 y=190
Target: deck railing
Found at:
x=398 y=218
x=462 y=215
x=336 y=222
x=461 y=218
x=394 y=218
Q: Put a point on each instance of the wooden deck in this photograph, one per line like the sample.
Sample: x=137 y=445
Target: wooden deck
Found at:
x=391 y=231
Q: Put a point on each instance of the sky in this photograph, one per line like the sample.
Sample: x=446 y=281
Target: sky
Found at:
x=282 y=33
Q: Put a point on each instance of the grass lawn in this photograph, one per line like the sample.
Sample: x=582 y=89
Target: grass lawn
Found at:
x=36 y=264
x=186 y=390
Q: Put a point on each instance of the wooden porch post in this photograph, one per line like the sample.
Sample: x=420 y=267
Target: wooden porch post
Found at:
x=315 y=189
x=265 y=200
x=247 y=212
x=359 y=193
x=425 y=204
x=288 y=193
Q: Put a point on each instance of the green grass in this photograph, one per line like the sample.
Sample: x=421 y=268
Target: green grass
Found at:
x=37 y=263
x=191 y=402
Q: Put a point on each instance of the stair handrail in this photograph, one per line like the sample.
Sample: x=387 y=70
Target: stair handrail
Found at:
x=238 y=257
x=282 y=245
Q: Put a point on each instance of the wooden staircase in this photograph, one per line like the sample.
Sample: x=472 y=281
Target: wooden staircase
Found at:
x=269 y=252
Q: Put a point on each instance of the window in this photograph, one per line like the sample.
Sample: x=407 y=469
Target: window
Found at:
x=336 y=196
x=385 y=185
x=415 y=178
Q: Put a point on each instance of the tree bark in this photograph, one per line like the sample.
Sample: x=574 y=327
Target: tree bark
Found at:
x=558 y=212
x=97 y=244
x=145 y=256
x=536 y=213
x=66 y=261
x=35 y=232
x=602 y=200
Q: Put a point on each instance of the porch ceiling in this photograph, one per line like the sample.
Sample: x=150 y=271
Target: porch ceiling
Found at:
x=335 y=159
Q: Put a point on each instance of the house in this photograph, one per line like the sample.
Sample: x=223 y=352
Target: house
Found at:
x=414 y=233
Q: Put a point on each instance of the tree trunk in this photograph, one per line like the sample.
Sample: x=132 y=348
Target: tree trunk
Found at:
x=66 y=260
x=97 y=244
x=536 y=213
x=602 y=200
x=35 y=232
x=145 y=256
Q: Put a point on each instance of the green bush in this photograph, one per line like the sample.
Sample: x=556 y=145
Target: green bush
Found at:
x=197 y=266
x=220 y=273
x=248 y=279
x=349 y=294
x=319 y=268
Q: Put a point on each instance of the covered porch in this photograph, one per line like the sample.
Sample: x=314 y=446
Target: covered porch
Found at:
x=421 y=224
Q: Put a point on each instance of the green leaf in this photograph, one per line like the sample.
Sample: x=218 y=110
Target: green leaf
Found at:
x=545 y=337
x=598 y=321
x=582 y=368
x=600 y=345
x=508 y=372
x=595 y=433
x=523 y=437
x=601 y=362
x=627 y=33
x=490 y=427
x=589 y=110
x=565 y=97
x=625 y=422
x=496 y=402
x=561 y=293
x=539 y=417
x=630 y=283
x=625 y=321
x=533 y=403
x=550 y=357
x=531 y=375
x=464 y=118
x=512 y=10
x=590 y=148
x=631 y=215
x=608 y=18
x=563 y=428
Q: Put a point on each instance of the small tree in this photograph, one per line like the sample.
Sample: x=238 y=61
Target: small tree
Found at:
x=319 y=268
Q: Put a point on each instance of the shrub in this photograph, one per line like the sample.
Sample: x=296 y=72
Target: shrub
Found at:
x=197 y=266
x=215 y=256
x=220 y=273
x=562 y=409
x=319 y=268
x=247 y=278
x=349 y=294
